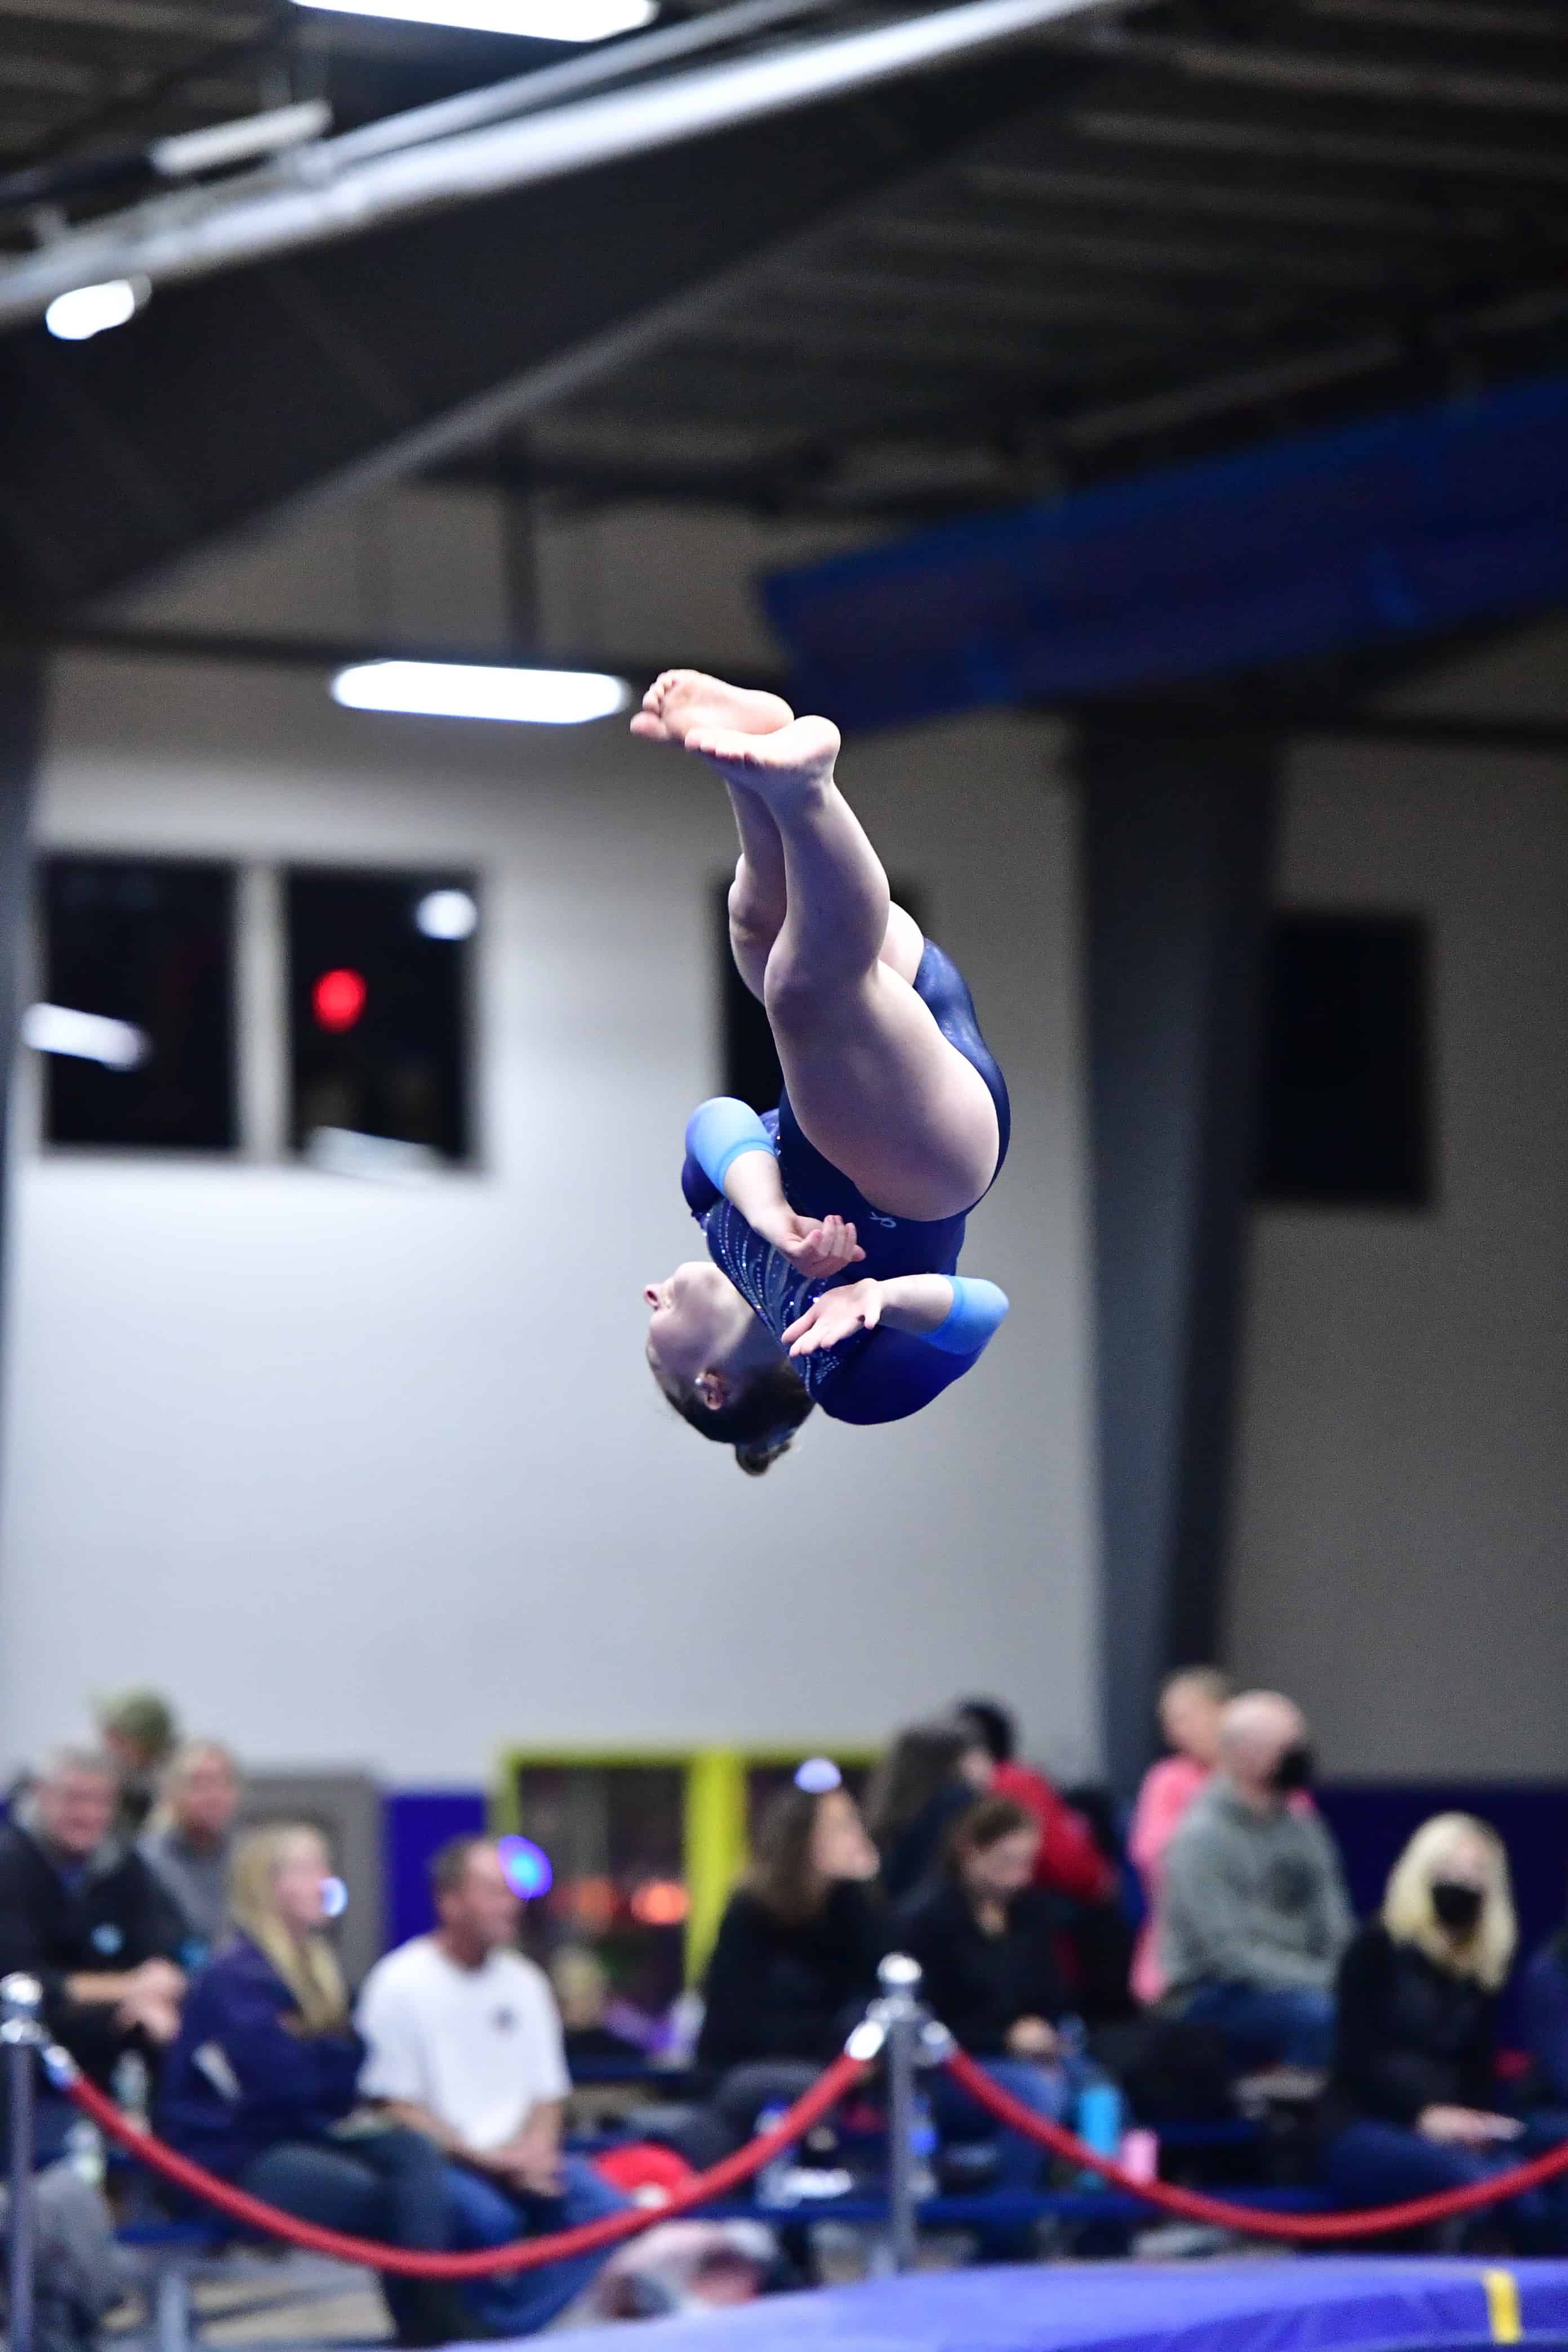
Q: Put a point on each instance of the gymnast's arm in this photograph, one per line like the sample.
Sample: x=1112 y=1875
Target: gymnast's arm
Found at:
x=728 y=1142
x=954 y=1313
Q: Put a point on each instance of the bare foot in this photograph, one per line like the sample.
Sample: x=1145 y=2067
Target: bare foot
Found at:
x=783 y=768
x=681 y=702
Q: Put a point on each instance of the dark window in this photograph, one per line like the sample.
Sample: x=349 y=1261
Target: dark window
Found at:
x=147 y=942
x=378 y=1006
x=750 y=1061
x=615 y=1835
x=1346 y=1107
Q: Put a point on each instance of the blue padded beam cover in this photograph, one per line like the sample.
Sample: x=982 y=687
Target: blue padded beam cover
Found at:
x=1408 y=526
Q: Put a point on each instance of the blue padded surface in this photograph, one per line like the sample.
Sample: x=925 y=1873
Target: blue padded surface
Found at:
x=1330 y=2305
x=1402 y=527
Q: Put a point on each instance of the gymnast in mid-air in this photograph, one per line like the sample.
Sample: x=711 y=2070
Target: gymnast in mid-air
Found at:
x=834 y=1223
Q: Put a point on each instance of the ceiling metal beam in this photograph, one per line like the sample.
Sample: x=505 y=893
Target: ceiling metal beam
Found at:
x=283 y=208
x=362 y=362
x=1126 y=126
x=549 y=86
x=1404 y=85
x=1042 y=303
x=1048 y=243
x=1045 y=188
x=1445 y=16
x=139 y=19
x=1271 y=381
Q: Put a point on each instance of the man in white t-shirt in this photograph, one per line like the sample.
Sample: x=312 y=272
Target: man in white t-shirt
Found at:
x=464 y=2044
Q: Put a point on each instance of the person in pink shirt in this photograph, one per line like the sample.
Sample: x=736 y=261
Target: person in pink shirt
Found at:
x=1190 y=1707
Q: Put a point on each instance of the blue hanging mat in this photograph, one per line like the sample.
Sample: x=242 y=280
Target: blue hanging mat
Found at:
x=1409 y=526
x=1420 y=2304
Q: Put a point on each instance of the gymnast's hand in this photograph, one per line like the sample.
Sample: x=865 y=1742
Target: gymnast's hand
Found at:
x=817 y=1247
x=854 y=1306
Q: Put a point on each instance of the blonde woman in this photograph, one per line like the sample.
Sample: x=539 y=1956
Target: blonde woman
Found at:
x=1412 y=2103
x=261 y=2083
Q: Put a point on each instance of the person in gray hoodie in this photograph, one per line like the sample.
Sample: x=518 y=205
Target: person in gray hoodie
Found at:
x=1255 y=1911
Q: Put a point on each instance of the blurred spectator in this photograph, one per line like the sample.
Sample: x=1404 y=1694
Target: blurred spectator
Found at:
x=465 y=2047
x=1544 y=2020
x=261 y=2085
x=983 y=1936
x=85 y=1917
x=78 y=2271
x=930 y=1774
x=1412 y=2103
x=587 y=2007
x=796 y=1960
x=1191 y=1705
x=1069 y=1859
x=189 y=1839
x=1256 y=1914
x=141 y=1733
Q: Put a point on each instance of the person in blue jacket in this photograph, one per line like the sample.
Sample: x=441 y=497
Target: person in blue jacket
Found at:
x=834 y=1223
x=261 y=2083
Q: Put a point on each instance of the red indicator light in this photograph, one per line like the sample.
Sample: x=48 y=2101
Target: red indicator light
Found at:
x=338 y=999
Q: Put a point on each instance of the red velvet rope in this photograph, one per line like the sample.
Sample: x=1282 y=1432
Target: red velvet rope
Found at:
x=1192 y=2206
x=527 y=2255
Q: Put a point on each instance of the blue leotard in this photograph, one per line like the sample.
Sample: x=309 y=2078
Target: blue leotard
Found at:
x=870 y=1376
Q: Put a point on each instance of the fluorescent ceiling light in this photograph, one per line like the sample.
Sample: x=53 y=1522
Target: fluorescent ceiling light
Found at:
x=540 y=698
x=88 y=309
x=539 y=20
x=222 y=143
x=88 y=1036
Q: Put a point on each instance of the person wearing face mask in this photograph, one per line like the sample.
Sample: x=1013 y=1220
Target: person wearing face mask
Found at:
x=1256 y=1914
x=1412 y=2100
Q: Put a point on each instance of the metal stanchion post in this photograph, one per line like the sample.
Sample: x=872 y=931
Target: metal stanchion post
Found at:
x=21 y=2000
x=900 y=2010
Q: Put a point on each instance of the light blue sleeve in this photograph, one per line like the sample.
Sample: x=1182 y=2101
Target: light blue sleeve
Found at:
x=977 y=1312
x=719 y=1130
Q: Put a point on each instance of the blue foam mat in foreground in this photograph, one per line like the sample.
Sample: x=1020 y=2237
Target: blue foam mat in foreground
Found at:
x=1341 y=2304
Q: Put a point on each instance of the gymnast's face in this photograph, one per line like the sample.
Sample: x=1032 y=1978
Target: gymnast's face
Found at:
x=699 y=1319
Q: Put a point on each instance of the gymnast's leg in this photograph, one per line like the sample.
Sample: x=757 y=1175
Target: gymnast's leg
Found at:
x=683 y=702
x=874 y=1083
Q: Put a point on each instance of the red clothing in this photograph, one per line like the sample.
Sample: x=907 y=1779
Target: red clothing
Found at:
x=1168 y=1788
x=1070 y=1861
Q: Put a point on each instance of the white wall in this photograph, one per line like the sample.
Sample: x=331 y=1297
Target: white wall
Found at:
x=365 y=1475
x=1402 y=1560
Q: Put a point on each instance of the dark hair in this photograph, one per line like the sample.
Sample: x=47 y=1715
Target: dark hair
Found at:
x=449 y=1863
x=760 y=1424
x=781 y=1877
x=985 y=1824
x=922 y=1759
x=994 y=1728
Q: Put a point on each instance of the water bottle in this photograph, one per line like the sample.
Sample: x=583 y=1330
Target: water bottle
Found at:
x=776 y=2181
x=1098 y=2122
x=922 y=2147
